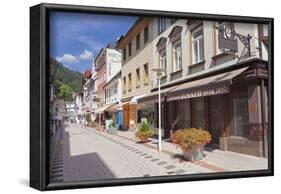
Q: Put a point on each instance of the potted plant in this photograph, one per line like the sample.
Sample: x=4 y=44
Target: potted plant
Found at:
x=192 y=142
x=112 y=127
x=144 y=132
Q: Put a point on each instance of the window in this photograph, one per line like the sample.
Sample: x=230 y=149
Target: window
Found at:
x=240 y=116
x=161 y=25
x=162 y=59
x=138 y=78
x=146 y=34
x=177 y=55
x=198 y=113
x=197 y=45
x=129 y=82
x=130 y=49
x=145 y=78
x=124 y=54
x=138 y=42
x=124 y=85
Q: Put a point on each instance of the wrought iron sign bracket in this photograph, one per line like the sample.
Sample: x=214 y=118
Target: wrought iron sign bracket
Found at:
x=245 y=41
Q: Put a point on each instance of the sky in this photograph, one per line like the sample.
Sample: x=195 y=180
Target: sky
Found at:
x=76 y=38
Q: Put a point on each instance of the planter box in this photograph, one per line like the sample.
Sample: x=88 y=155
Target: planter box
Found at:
x=194 y=153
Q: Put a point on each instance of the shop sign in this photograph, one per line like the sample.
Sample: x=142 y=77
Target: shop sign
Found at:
x=201 y=92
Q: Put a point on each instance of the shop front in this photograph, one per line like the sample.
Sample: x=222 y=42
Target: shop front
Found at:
x=232 y=106
x=129 y=116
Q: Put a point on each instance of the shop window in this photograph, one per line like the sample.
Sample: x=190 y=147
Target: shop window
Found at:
x=197 y=45
x=198 y=113
x=240 y=117
x=177 y=58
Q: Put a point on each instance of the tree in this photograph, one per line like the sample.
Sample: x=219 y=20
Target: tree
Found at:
x=65 y=92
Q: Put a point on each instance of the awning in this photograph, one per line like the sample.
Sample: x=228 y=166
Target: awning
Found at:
x=154 y=95
x=134 y=100
x=115 y=107
x=103 y=108
x=213 y=85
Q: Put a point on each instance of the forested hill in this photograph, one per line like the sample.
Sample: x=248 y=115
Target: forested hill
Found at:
x=66 y=77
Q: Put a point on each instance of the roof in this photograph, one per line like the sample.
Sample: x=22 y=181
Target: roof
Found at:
x=87 y=74
x=136 y=27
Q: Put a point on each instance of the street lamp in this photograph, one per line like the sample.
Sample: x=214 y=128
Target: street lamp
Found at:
x=159 y=72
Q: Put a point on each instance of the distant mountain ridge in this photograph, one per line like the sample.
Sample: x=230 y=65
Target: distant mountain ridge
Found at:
x=67 y=76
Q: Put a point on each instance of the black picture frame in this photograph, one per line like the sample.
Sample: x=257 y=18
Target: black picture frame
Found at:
x=39 y=58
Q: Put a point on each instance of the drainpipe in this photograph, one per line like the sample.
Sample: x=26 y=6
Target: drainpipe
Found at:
x=263 y=114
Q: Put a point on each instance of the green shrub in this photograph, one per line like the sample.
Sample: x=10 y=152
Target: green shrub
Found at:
x=144 y=132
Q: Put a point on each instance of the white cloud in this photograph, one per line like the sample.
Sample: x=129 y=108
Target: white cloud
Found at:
x=67 y=58
x=86 y=55
x=91 y=42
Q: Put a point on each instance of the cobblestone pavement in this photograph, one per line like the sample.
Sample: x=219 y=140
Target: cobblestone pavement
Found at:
x=92 y=155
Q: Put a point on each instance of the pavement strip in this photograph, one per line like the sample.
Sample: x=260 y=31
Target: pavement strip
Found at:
x=140 y=150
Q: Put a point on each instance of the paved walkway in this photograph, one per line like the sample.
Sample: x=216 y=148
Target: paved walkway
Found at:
x=92 y=155
x=214 y=159
x=88 y=154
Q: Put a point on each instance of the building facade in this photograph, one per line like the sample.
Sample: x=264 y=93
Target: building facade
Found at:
x=215 y=79
x=107 y=66
x=137 y=51
x=112 y=87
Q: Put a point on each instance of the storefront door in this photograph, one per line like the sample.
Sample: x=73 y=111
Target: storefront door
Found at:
x=217 y=120
x=240 y=117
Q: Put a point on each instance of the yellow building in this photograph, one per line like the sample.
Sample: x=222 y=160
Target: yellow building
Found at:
x=136 y=68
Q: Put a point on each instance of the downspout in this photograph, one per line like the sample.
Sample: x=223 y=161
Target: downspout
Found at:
x=263 y=115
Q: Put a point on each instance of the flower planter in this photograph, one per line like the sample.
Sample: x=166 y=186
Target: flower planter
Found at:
x=144 y=133
x=194 y=153
x=143 y=139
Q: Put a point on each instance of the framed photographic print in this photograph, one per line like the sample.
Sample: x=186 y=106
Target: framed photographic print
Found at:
x=127 y=96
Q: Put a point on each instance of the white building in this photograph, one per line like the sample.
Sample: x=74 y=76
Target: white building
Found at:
x=70 y=111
